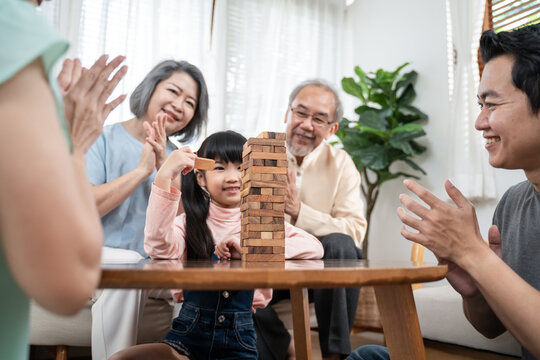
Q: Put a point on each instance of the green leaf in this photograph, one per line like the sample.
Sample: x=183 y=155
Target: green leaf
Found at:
x=374 y=157
x=414 y=166
x=411 y=111
x=353 y=141
x=399 y=68
x=379 y=98
x=387 y=175
x=351 y=87
x=371 y=119
x=407 y=96
x=401 y=140
x=363 y=108
x=418 y=149
x=406 y=79
x=361 y=74
x=406 y=127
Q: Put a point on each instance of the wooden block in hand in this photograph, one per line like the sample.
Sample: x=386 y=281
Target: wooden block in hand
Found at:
x=204 y=164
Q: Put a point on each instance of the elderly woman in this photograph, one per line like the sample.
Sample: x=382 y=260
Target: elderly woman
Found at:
x=172 y=100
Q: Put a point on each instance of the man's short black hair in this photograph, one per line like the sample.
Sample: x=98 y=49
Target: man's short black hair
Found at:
x=523 y=45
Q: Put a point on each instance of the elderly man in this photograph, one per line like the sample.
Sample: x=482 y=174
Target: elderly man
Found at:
x=323 y=198
x=499 y=284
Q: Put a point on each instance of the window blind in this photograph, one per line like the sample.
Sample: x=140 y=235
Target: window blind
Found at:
x=510 y=14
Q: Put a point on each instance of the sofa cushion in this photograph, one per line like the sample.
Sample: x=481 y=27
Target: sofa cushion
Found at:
x=441 y=318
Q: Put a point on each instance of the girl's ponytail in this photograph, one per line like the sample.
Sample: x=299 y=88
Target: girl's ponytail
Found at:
x=199 y=243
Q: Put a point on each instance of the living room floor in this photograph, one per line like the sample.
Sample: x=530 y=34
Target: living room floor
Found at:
x=434 y=350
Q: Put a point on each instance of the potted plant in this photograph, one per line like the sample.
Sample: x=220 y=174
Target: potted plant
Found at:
x=385 y=131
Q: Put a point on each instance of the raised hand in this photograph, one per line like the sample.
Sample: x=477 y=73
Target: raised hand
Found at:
x=179 y=161
x=157 y=137
x=292 y=202
x=85 y=96
x=450 y=232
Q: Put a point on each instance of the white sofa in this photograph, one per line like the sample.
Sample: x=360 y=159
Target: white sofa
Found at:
x=441 y=318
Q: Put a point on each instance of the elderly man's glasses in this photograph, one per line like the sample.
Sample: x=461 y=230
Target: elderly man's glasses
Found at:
x=317 y=120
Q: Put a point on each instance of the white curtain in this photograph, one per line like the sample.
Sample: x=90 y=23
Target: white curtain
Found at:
x=264 y=49
x=146 y=32
x=259 y=49
x=469 y=168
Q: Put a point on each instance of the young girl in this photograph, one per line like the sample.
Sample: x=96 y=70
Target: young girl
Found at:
x=211 y=223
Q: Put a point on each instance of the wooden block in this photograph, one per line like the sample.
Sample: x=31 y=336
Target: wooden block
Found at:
x=264 y=227
x=250 y=205
x=264 y=142
x=268 y=220
x=263 y=213
x=266 y=235
x=263 y=242
x=268 y=148
x=250 y=191
x=279 y=149
x=278 y=249
x=278 y=191
x=267 y=177
x=253 y=234
x=282 y=163
x=281 y=177
x=271 y=135
x=204 y=164
x=266 y=198
x=258 y=249
x=247 y=164
x=278 y=206
x=254 y=219
x=278 y=235
x=267 y=206
x=267 y=135
x=268 y=156
x=267 y=170
x=268 y=191
x=267 y=184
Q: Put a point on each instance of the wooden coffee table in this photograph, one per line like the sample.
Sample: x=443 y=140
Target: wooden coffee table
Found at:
x=392 y=282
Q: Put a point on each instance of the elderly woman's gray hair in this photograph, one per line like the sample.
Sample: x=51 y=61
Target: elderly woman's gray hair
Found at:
x=338 y=113
x=140 y=98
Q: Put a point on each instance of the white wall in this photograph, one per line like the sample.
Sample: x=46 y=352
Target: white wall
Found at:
x=387 y=33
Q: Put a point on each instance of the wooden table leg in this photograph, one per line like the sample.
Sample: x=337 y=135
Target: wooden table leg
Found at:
x=400 y=322
x=301 y=329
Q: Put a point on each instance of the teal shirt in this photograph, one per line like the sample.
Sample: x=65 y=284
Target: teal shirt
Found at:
x=24 y=36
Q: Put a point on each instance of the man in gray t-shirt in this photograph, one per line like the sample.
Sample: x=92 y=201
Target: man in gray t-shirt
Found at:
x=499 y=284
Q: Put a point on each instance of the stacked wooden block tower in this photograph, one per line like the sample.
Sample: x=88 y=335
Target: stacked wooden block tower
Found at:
x=264 y=178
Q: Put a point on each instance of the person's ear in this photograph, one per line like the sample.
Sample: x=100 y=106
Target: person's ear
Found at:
x=200 y=178
x=333 y=128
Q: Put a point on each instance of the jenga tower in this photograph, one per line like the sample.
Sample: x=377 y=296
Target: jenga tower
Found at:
x=264 y=178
